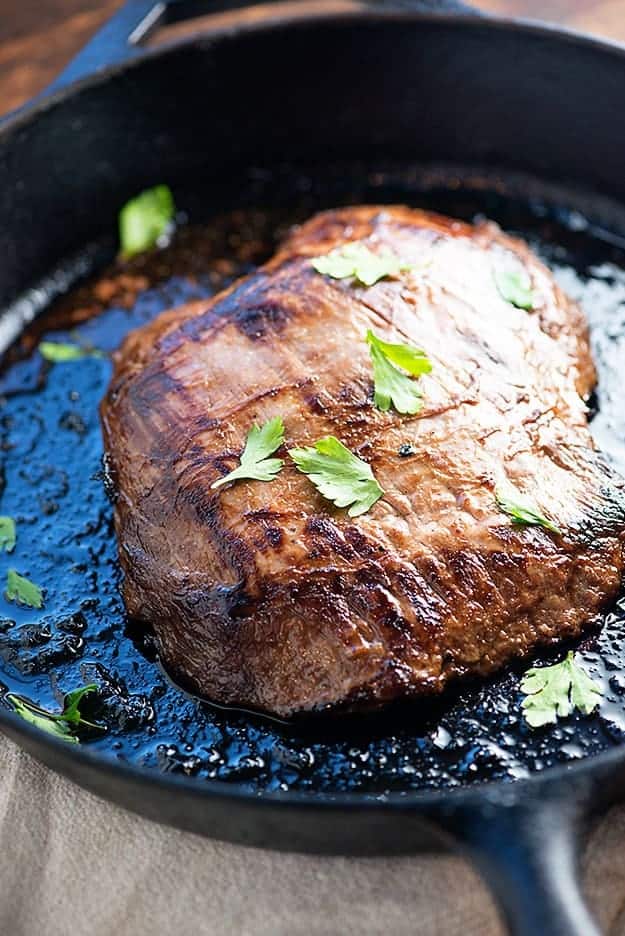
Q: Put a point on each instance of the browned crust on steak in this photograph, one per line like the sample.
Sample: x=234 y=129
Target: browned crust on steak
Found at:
x=265 y=595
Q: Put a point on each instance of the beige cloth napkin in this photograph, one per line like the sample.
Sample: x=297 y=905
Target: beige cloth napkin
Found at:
x=73 y=865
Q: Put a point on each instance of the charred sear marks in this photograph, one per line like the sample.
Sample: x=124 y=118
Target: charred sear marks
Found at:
x=321 y=610
x=328 y=538
x=151 y=389
x=257 y=320
x=255 y=308
x=318 y=403
x=349 y=410
x=275 y=536
x=267 y=534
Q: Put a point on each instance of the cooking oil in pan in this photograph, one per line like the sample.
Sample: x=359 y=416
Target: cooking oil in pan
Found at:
x=54 y=485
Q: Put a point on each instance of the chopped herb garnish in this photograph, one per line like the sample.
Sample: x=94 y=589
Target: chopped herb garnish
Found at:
x=356 y=261
x=521 y=509
x=7 y=534
x=515 y=288
x=254 y=463
x=391 y=384
x=23 y=591
x=555 y=691
x=58 y=352
x=71 y=706
x=145 y=219
x=42 y=721
x=62 y=723
x=339 y=475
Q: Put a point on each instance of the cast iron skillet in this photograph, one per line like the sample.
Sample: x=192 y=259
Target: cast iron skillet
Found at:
x=423 y=85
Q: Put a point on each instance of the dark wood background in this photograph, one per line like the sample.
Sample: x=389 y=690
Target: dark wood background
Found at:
x=37 y=37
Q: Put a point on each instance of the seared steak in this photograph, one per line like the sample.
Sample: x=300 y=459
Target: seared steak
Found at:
x=264 y=594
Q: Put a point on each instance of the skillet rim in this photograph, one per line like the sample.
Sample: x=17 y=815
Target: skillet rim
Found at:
x=565 y=776
x=569 y=774
x=60 y=91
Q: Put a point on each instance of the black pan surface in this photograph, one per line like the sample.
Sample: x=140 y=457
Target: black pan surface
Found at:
x=54 y=485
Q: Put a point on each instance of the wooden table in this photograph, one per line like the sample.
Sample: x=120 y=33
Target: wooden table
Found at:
x=37 y=37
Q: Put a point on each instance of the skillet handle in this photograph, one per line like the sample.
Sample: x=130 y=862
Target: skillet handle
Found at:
x=526 y=847
x=119 y=40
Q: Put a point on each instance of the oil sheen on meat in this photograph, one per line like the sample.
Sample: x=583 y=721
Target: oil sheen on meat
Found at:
x=265 y=595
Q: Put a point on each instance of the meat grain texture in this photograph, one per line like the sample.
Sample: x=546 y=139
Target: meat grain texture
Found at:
x=264 y=595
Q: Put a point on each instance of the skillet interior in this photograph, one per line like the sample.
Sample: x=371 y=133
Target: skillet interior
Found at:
x=55 y=487
x=477 y=93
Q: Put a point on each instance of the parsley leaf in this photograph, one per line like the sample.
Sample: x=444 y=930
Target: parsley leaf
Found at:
x=339 y=475
x=515 y=288
x=62 y=723
x=71 y=705
x=255 y=465
x=145 y=219
x=58 y=352
x=522 y=510
x=23 y=591
x=356 y=261
x=7 y=534
x=392 y=385
x=555 y=691
x=42 y=721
